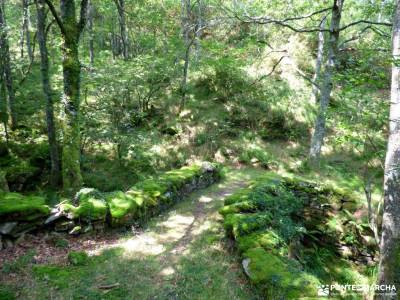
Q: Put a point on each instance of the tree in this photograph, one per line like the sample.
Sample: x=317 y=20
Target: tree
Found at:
x=5 y=57
x=25 y=33
x=389 y=266
x=326 y=88
x=91 y=33
x=71 y=30
x=318 y=61
x=55 y=175
x=122 y=25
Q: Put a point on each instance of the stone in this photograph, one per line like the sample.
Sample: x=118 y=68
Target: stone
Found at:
x=76 y=230
x=64 y=226
x=53 y=217
x=6 y=228
x=207 y=167
x=245 y=264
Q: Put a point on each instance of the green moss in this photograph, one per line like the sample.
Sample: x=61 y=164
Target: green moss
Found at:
x=276 y=216
x=92 y=205
x=78 y=258
x=19 y=207
x=280 y=278
x=242 y=224
x=121 y=204
x=269 y=240
x=243 y=206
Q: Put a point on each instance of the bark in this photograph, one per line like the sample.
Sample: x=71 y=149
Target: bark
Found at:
x=3 y=101
x=122 y=24
x=185 y=18
x=199 y=26
x=25 y=33
x=55 y=175
x=318 y=62
x=70 y=32
x=326 y=88
x=389 y=266
x=5 y=56
x=91 y=34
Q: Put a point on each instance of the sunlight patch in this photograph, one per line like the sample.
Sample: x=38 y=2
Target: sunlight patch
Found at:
x=167 y=271
x=205 y=199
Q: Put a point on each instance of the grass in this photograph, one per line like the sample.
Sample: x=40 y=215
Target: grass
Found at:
x=180 y=255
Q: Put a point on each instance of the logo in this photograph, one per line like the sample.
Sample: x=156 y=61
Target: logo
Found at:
x=323 y=290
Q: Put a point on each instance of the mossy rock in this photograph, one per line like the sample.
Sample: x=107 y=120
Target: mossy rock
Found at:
x=269 y=241
x=242 y=224
x=16 y=207
x=123 y=206
x=78 y=258
x=282 y=278
x=92 y=205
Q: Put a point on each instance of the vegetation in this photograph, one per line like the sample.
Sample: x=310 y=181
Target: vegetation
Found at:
x=107 y=109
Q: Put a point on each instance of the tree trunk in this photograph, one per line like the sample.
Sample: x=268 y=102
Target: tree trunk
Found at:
x=389 y=266
x=122 y=24
x=3 y=101
x=199 y=26
x=185 y=18
x=318 y=62
x=326 y=88
x=91 y=34
x=55 y=176
x=71 y=171
x=5 y=56
x=25 y=33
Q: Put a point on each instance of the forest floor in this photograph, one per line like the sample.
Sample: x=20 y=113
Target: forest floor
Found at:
x=181 y=254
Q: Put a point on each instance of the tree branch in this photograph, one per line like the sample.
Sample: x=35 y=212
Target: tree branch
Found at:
x=83 y=16
x=56 y=17
x=365 y=22
x=284 y=22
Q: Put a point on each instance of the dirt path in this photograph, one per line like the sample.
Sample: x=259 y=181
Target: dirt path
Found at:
x=182 y=254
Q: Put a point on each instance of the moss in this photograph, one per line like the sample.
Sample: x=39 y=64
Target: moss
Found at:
x=243 y=206
x=269 y=240
x=280 y=278
x=276 y=216
x=242 y=224
x=19 y=207
x=78 y=258
x=92 y=205
x=121 y=204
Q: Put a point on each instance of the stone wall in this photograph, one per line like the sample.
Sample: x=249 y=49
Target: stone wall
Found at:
x=92 y=210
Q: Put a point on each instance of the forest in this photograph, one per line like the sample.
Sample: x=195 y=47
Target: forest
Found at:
x=199 y=149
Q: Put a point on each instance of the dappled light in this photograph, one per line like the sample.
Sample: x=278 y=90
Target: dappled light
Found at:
x=199 y=149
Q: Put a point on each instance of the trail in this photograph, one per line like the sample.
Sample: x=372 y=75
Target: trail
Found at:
x=182 y=254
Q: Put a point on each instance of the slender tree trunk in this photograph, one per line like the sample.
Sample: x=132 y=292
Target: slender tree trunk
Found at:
x=389 y=266
x=199 y=26
x=122 y=24
x=55 y=176
x=326 y=88
x=91 y=34
x=318 y=62
x=25 y=33
x=185 y=18
x=72 y=178
x=5 y=55
x=3 y=101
